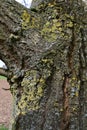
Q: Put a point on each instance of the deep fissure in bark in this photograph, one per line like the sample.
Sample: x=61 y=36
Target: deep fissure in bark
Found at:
x=71 y=49
x=65 y=124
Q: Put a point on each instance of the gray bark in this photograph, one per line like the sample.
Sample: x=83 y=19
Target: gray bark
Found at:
x=3 y=72
x=45 y=50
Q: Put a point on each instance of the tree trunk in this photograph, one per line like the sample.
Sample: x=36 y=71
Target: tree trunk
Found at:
x=45 y=50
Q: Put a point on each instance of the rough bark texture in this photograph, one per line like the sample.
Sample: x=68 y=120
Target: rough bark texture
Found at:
x=45 y=50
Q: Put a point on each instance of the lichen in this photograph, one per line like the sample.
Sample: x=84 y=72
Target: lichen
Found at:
x=33 y=86
x=29 y=21
x=50 y=30
x=33 y=90
x=14 y=38
x=75 y=87
x=26 y=19
x=55 y=26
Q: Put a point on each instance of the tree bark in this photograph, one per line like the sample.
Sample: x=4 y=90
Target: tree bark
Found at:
x=45 y=50
x=3 y=72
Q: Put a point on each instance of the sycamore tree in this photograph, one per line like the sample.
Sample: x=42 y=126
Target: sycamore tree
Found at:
x=45 y=51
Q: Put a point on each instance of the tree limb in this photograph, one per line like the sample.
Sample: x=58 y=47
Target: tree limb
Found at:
x=3 y=72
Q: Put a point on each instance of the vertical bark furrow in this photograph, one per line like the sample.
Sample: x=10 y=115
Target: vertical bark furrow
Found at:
x=66 y=107
x=83 y=85
x=71 y=49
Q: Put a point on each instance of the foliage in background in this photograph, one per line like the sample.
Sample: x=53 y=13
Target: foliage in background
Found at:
x=2 y=77
x=3 y=128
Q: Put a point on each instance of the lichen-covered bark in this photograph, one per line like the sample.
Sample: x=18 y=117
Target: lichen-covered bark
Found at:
x=45 y=50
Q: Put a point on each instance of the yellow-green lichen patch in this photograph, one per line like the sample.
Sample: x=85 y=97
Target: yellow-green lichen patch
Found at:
x=26 y=19
x=69 y=24
x=51 y=4
x=56 y=21
x=29 y=21
x=47 y=61
x=51 y=29
x=33 y=90
x=57 y=26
